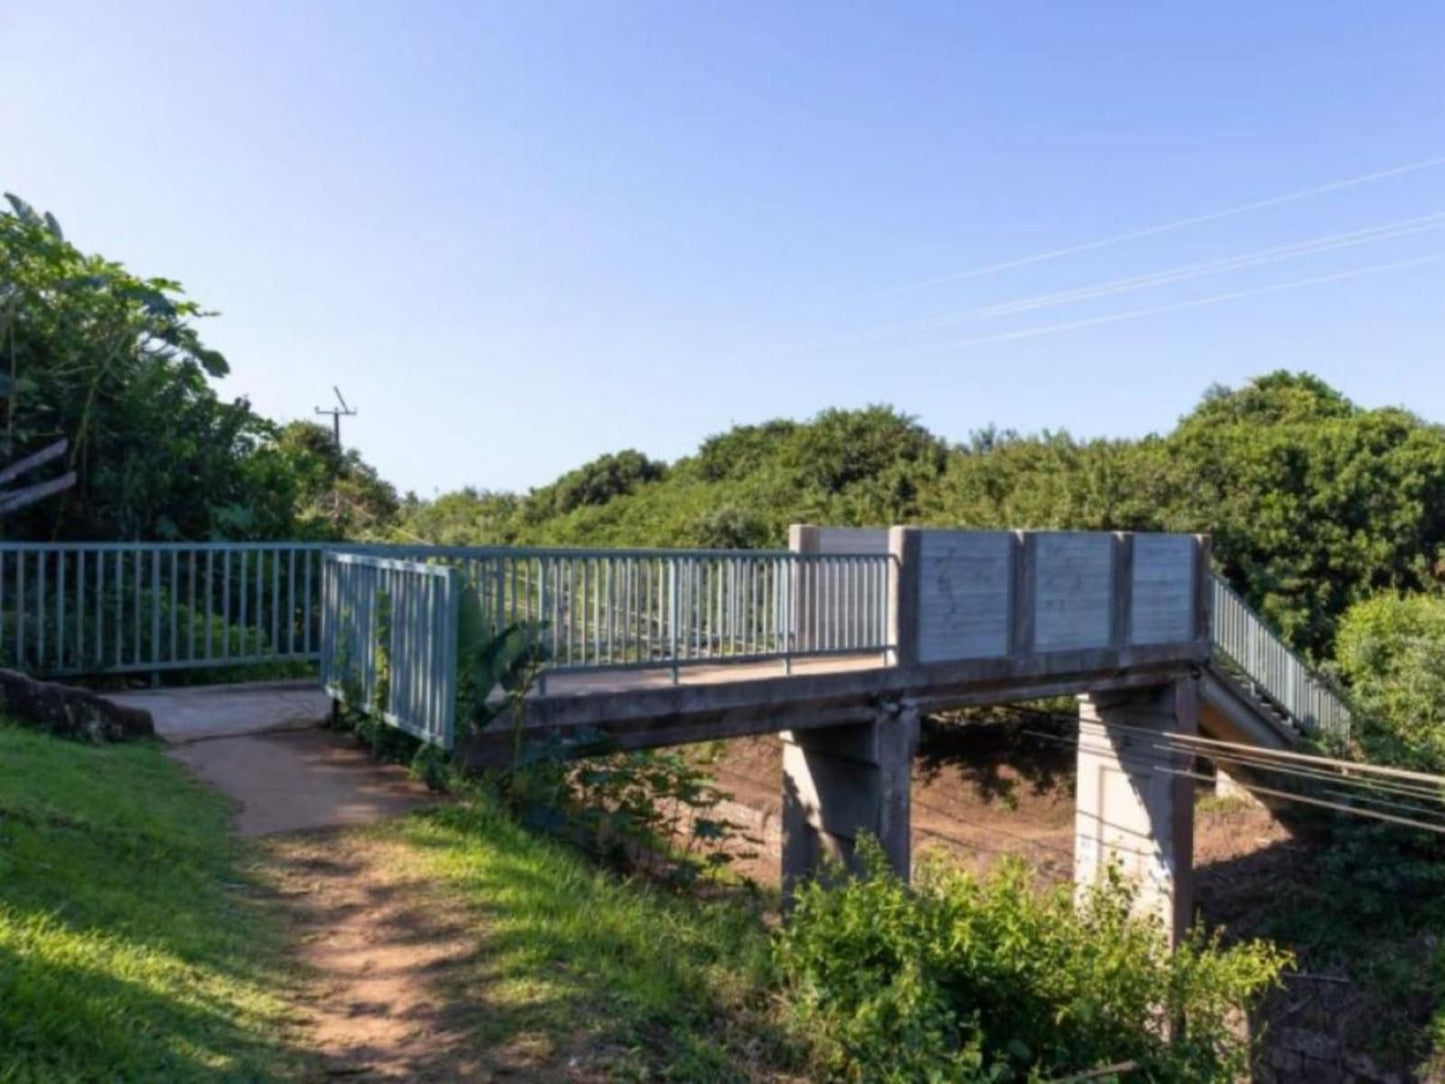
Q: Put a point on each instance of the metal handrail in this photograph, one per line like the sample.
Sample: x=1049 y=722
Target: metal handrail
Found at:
x=1243 y=638
x=92 y=607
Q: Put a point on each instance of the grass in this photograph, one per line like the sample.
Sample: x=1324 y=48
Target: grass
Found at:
x=132 y=943
x=616 y=976
x=136 y=942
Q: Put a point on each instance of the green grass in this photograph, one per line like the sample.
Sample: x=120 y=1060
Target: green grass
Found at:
x=624 y=977
x=132 y=944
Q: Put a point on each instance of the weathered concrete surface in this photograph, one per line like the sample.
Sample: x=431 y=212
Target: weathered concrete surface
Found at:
x=1134 y=809
x=285 y=782
x=199 y=712
x=840 y=782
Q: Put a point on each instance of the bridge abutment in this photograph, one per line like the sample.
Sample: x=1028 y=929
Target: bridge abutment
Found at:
x=1133 y=808
x=840 y=782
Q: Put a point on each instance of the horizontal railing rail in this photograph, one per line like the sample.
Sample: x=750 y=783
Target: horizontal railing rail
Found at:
x=1276 y=672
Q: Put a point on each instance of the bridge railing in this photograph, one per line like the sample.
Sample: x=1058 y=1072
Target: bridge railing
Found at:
x=389 y=641
x=597 y=609
x=85 y=608
x=1243 y=638
x=88 y=608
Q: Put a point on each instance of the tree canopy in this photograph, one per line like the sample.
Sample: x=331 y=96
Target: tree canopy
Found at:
x=113 y=362
x=1314 y=502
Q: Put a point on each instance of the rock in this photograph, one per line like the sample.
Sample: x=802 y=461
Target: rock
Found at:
x=68 y=711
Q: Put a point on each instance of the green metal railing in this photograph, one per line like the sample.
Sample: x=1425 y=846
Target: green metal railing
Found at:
x=624 y=609
x=389 y=641
x=85 y=608
x=1276 y=673
x=88 y=608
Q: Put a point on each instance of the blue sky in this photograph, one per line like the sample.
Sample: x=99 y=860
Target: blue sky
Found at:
x=519 y=235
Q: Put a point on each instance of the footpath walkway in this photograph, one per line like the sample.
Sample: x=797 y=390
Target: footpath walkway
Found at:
x=260 y=745
x=379 y=945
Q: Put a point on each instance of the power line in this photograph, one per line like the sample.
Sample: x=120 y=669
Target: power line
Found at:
x=1290 y=796
x=1154 y=231
x=1361 y=793
x=1159 y=310
x=1254 y=758
x=1305 y=758
x=1167 y=276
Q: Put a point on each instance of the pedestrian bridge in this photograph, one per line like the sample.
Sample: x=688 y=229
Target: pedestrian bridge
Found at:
x=840 y=643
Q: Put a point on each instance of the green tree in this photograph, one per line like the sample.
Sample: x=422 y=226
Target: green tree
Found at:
x=467 y=517
x=1313 y=502
x=335 y=493
x=114 y=363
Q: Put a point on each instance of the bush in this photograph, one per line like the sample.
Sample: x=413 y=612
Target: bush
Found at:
x=968 y=978
x=1392 y=651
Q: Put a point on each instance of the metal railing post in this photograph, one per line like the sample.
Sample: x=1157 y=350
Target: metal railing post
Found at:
x=675 y=601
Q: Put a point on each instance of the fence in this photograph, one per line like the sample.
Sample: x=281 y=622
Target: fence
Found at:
x=625 y=609
x=389 y=641
x=81 y=608
x=1276 y=672
x=147 y=607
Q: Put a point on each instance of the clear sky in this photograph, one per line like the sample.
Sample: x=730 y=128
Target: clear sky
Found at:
x=522 y=234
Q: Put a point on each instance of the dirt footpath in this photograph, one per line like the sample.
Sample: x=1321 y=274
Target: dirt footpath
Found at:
x=294 y=780
x=385 y=954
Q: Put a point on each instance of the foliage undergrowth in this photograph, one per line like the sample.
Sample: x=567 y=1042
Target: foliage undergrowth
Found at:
x=1370 y=915
x=132 y=946
x=640 y=982
x=991 y=979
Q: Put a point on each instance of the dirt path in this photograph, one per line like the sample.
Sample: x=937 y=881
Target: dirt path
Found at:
x=383 y=954
x=388 y=962
x=387 y=957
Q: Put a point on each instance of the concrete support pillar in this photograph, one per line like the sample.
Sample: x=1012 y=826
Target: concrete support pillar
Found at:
x=1131 y=807
x=843 y=781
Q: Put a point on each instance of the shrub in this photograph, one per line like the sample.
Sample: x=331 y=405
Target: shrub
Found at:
x=968 y=978
x=1392 y=651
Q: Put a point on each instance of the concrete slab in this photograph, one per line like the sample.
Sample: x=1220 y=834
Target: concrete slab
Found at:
x=290 y=781
x=563 y=683
x=201 y=712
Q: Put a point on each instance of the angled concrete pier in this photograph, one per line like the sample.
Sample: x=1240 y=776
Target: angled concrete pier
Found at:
x=840 y=782
x=1134 y=807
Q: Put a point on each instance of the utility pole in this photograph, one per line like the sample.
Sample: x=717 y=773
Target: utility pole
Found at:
x=337 y=413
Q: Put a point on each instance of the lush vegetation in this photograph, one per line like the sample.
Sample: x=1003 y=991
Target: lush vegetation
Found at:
x=1314 y=503
x=1392 y=652
x=114 y=363
x=964 y=979
x=132 y=943
x=632 y=980
x=990 y=979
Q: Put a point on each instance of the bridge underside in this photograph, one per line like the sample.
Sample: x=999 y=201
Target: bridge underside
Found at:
x=643 y=709
x=850 y=727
